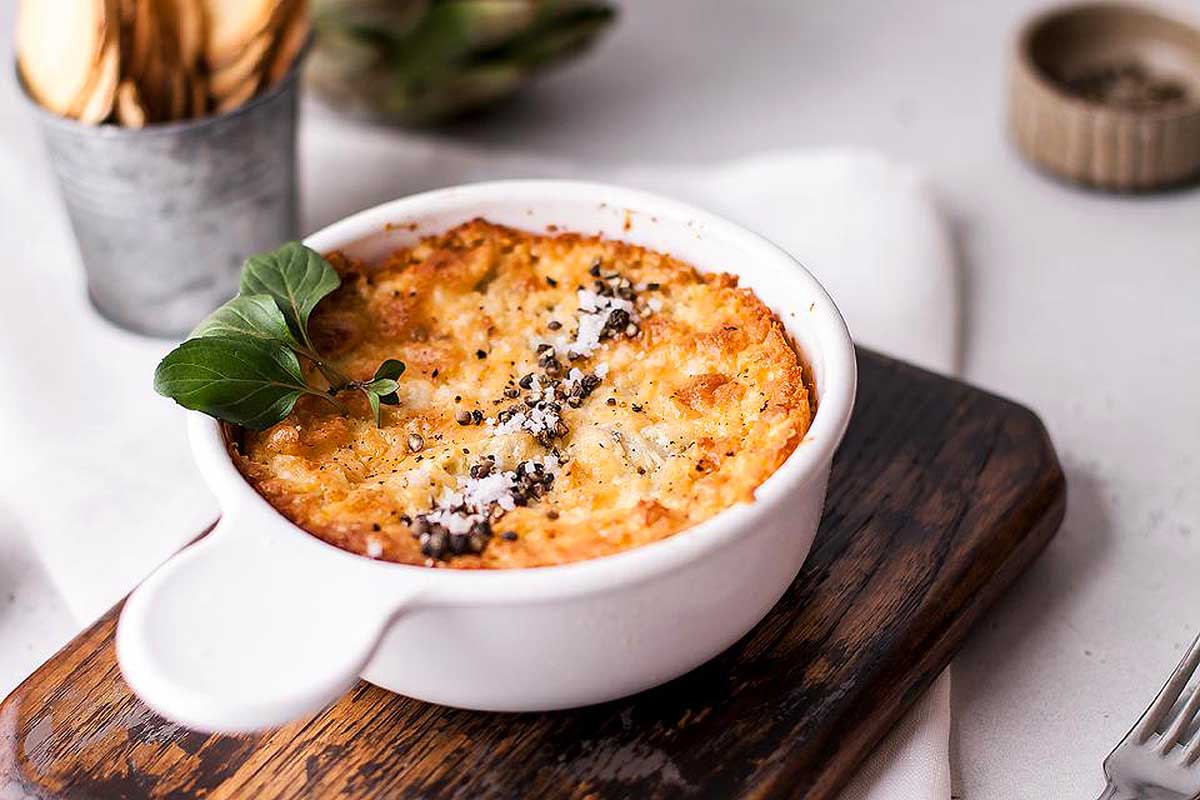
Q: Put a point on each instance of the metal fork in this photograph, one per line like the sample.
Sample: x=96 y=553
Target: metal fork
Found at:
x=1160 y=758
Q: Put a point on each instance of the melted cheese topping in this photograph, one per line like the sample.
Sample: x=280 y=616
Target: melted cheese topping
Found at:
x=698 y=401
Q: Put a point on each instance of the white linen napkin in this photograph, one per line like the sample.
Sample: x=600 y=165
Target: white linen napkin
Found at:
x=105 y=485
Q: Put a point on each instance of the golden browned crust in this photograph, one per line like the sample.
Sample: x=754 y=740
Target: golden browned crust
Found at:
x=707 y=399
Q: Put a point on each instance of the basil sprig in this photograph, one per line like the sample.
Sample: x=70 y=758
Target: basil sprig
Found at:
x=242 y=363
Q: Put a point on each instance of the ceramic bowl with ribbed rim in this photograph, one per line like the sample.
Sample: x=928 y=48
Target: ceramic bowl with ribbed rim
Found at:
x=1109 y=146
x=260 y=623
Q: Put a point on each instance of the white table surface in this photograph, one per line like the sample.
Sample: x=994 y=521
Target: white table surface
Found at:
x=1081 y=305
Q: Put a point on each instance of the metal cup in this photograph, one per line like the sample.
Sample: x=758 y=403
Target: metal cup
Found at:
x=164 y=215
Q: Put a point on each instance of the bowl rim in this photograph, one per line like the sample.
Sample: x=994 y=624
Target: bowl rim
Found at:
x=1023 y=57
x=807 y=463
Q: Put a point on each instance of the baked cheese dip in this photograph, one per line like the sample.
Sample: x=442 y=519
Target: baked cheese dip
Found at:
x=567 y=397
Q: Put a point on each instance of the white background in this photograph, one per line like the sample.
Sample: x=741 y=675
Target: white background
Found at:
x=1084 y=306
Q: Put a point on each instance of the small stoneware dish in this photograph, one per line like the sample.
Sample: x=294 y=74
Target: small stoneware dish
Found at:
x=260 y=623
x=1108 y=95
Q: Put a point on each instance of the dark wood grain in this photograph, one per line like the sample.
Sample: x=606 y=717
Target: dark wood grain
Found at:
x=941 y=495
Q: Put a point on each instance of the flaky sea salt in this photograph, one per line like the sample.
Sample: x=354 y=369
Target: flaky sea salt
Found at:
x=461 y=521
x=514 y=423
x=595 y=311
x=587 y=337
x=594 y=303
x=456 y=523
x=535 y=420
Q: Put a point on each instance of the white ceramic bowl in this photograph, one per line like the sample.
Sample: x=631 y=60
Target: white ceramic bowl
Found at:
x=260 y=623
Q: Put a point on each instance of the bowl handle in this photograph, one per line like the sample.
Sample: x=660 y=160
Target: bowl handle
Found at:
x=255 y=625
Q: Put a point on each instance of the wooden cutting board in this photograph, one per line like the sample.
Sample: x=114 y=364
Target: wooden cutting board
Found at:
x=940 y=496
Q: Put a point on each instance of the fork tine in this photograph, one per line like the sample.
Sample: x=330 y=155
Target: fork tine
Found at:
x=1170 y=693
x=1185 y=717
x=1191 y=751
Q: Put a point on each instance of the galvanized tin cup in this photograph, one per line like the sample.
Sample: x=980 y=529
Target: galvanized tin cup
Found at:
x=164 y=215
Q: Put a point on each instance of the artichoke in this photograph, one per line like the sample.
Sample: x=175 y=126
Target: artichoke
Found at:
x=422 y=61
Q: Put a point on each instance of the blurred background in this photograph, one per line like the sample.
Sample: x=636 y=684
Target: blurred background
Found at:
x=1077 y=303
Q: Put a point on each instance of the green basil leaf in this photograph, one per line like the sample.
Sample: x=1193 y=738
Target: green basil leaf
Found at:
x=391 y=368
x=249 y=382
x=296 y=277
x=382 y=386
x=373 y=399
x=254 y=315
x=381 y=390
